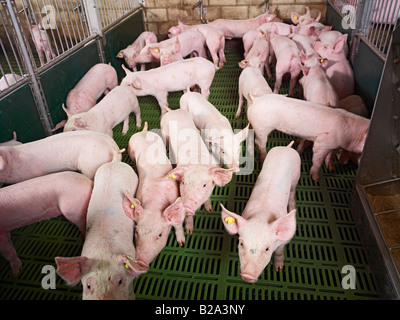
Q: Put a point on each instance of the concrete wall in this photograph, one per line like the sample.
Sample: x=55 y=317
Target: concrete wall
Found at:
x=160 y=15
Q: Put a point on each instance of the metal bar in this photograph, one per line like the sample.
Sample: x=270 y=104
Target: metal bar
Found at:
x=36 y=89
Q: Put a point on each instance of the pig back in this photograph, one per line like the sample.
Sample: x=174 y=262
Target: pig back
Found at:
x=43 y=198
x=105 y=211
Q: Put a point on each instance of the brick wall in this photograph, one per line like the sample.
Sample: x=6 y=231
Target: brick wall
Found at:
x=160 y=15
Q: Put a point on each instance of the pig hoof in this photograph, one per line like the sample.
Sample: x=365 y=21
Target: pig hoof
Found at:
x=138 y=127
x=278 y=268
x=237 y=116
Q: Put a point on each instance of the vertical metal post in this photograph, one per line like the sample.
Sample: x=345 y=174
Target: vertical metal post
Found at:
x=26 y=53
x=94 y=22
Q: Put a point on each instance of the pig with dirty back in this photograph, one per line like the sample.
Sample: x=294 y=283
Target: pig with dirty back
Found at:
x=99 y=80
x=107 y=265
x=265 y=225
x=156 y=205
x=132 y=51
x=21 y=204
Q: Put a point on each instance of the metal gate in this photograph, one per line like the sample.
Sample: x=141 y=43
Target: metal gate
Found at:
x=36 y=36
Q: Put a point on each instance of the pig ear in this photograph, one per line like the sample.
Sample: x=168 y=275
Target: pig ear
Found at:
x=302 y=56
x=318 y=17
x=295 y=17
x=243 y=64
x=131 y=266
x=243 y=134
x=175 y=213
x=221 y=176
x=127 y=71
x=177 y=45
x=274 y=28
x=338 y=46
x=231 y=220
x=177 y=173
x=285 y=227
x=132 y=206
x=155 y=51
x=120 y=54
x=323 y=62
x=70 y=269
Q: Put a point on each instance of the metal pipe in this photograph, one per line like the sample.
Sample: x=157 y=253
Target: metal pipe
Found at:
x=36 y=90
x=200 y=3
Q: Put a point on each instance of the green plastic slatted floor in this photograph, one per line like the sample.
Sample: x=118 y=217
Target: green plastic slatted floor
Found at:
x=207 y=267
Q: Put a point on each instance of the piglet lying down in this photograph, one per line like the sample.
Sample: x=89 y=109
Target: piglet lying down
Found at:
x=64 y=193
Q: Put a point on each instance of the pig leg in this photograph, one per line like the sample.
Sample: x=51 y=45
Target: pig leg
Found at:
x=179 y=234
x=240 y=106
x=329 y=161
x=125 y=126
x=261 y=143
x=278 y=81
x=205 y=87
x=138 y=119
x=208 y=205
x=162 y=102
x=7 y=250
x=142 y=67
x=320 y=152
x=292 y=200
x=189 y=224
x=279 y=258
x=293 y=81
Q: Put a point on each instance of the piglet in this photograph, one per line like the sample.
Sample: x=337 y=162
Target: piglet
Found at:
x=107 y=265
x=329 y=128
x=214 y=37
x=216 y=129
x=280 y=28
x=8 y=80
x=316 y=85
x=304 y=19
x=176 y=76
x=157 y=206
x=258 y=56
x=99 y=80
x=287 y=60
x=42 y=198
x=42 y=43
x=196 y=169
x=237 y=28
x=338 y=69
x=251 y=79
x=81 y=150
x=114 y=108
x=132 y=51
x=265 y=225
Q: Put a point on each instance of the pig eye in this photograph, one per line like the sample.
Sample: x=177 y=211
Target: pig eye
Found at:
x=241 y=244
x=120 y=281
x=266 y=249
x=204 y=185
x=160 y=235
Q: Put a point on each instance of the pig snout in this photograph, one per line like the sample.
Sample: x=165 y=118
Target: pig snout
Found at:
x=166 y=61
x=248 y=277
x=141 y=262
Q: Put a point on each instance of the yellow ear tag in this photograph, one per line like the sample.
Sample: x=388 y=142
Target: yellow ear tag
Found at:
x=321 y=60
x=126 y=266
x=264 y=35
x=230 y=220
x=295 y=18
x=156 y=50
x=132 y=206
x=212 y=143
x=120 y=54
x=173 y=176
x=243 y=63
